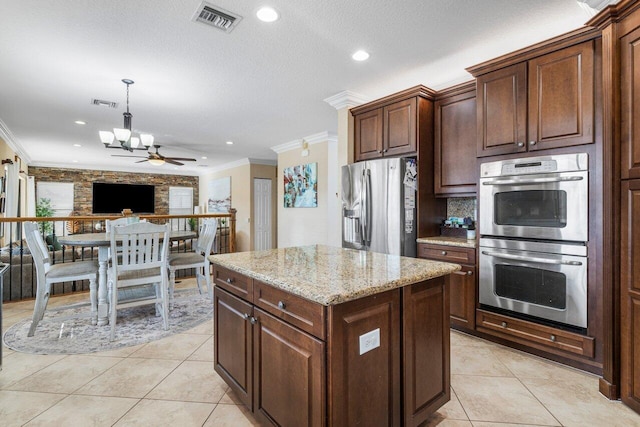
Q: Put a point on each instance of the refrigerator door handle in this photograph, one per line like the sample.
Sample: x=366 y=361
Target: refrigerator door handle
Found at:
x=367 y=203
x=363 y=208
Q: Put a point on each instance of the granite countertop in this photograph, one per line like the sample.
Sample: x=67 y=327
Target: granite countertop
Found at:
x=330 y=275
x=449 y=241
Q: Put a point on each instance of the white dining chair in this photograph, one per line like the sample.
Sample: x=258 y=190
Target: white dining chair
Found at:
x=48 y=274
x=198 y=259
x=142 y=260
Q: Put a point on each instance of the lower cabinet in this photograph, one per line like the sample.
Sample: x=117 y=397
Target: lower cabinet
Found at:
x=463 y=283
x=381 y=360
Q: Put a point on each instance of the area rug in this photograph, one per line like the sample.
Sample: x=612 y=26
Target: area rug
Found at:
x=136 y=325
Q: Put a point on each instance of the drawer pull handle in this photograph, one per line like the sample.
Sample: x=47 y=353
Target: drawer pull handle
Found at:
x=552 y=338
x=230 y=280
x=444 y=252
x=503 y=324
x=282 y=305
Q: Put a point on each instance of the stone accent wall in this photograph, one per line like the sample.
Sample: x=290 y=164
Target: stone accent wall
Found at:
x=83 y=180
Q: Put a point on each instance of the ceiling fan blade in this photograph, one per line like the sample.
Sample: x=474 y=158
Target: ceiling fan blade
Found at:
x=142 y=161
x=173 y=162
x=184 y=159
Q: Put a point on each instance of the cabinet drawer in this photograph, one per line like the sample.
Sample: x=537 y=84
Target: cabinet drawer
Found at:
x=304 y=314
x=447 y=253
x=529 y=333
x=236 y=283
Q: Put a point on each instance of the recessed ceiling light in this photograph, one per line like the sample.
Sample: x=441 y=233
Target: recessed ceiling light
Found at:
x=75 y=161
x=204 y=157
x=229 y=142
x=80 y=122
x=77 y=145
x=360 y=55
x=267 y=14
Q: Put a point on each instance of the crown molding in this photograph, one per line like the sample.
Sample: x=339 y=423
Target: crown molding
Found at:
x=311 y=139
x=13 y=143
x=346 y=99
x=242 y=162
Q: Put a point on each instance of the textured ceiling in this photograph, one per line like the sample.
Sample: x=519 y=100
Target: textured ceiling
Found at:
x=259 y=86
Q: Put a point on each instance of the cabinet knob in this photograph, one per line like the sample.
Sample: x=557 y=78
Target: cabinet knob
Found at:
x=282 y=305
x=469 y=273
x=532 y=142
x=230 y=280
x=503 y=324
x=443 y=253
x=552 y=338
x=253 y=320
x=520 y=144
x=245 y=316
x=379 y=152
x=385 y=150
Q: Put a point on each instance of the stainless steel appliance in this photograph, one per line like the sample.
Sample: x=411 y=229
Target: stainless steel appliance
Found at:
x=541 y=279
x=536 y=198
x=379 y=208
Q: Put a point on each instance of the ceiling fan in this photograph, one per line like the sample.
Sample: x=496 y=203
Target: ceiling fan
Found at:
x=158 y=159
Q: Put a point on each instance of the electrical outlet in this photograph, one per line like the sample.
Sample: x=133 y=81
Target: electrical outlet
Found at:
x=369 y=341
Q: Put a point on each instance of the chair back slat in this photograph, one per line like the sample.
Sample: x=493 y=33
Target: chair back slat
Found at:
x=140 y=245
x=207 y=236
x=37 y=247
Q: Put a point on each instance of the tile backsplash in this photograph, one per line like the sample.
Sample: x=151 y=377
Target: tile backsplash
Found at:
x=462 y=207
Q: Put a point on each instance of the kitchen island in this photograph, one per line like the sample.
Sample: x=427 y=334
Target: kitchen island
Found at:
x=318 y=335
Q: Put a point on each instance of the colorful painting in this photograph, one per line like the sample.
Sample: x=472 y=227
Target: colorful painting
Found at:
x=219 y=196
x=301 y=186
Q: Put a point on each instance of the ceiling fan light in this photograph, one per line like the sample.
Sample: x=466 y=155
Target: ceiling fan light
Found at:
x=135 y=142
x=147 y=139
x=156 y=162
x=106 y=137
x=122 y=135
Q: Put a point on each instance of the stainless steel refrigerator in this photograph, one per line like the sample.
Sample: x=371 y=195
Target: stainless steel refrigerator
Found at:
x=379 y=206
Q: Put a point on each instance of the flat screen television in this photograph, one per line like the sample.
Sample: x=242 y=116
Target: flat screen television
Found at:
x=109 y=198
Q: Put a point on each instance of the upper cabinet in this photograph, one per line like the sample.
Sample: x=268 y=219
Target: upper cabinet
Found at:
x=455 y=141
x=392 y=126
x=544 y=102
x=630 y=98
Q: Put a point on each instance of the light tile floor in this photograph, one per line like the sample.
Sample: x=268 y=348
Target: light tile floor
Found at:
x=172 y=382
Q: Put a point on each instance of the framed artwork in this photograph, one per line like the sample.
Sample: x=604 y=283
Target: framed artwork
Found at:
x=219 y=196
x=301 y=186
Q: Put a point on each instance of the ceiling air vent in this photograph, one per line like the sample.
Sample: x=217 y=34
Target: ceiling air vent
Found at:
x=216 y=17
x=103 y=103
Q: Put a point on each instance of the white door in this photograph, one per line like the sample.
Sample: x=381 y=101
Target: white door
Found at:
x=180 y=203
x=262 y=214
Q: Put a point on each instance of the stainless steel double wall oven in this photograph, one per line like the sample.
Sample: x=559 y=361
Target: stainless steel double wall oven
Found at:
x=534 y=232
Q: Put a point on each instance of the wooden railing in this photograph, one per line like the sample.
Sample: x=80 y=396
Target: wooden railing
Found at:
x=19 y=280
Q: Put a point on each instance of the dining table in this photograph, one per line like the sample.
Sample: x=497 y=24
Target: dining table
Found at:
x=103 y=241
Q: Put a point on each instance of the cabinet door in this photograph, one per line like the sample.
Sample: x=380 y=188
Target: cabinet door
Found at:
x=630 y=294
x=502 y=111
x=400 y=128
x=368 y=135
x=561 y=98
x=426 y=357
x=630 y=98
x=232 y=349
x=462 y=291
x=455 y=144
x=289 y=386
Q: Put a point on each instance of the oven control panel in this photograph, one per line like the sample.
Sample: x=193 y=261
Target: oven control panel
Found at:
x=535 y=165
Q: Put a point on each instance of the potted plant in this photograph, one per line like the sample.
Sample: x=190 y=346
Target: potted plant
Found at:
x=44 y=209
x=193 y=224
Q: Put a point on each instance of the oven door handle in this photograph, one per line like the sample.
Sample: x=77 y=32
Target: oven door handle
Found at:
x=532 y=181
x=531 y=259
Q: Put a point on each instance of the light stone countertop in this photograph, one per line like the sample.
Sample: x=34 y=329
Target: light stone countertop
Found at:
x=329 y=275
x=449 y=241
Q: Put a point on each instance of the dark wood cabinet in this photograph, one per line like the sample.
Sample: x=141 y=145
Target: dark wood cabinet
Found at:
x=629 y=95
x=502 y=111
x=425 y=333
x=463 y=284
x=384 y=360
x=455 y=141
x=289 y=372
x=395 y=125
x=545 y=102
x=630 y=294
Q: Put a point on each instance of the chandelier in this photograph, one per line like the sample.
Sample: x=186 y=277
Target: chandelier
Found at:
x=123 y=134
